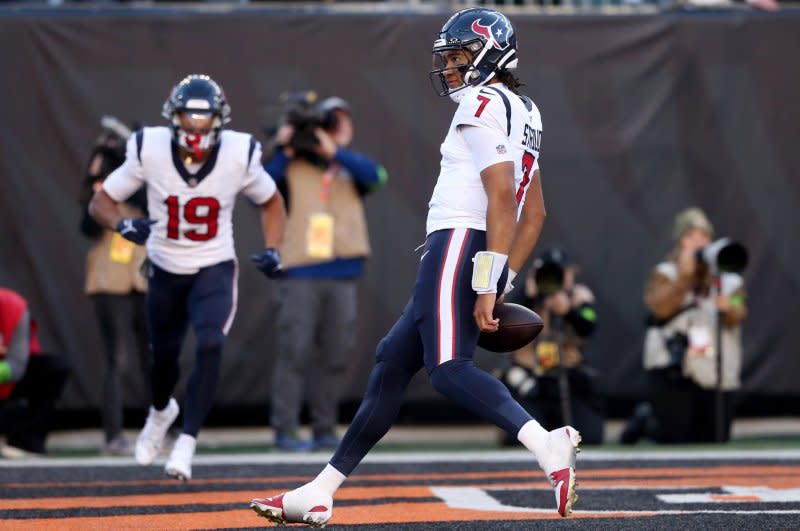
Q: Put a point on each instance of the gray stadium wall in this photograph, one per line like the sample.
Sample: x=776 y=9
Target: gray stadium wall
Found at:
x=643 y=115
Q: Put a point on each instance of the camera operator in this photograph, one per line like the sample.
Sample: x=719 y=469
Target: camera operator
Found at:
x=326 y=244
x=549 y=377
x=684 y=299
x=115 y=285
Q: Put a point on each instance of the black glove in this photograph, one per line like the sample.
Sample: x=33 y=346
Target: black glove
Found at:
x=135 y=229
x=269 y=262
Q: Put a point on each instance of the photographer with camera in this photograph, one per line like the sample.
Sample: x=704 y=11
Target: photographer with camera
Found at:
x=696 y=300
x=549 y=377
x=115 y=284
x=326 y=244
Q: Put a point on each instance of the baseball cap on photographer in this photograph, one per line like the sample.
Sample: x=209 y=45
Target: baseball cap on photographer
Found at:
x=336 y=119
x=326 y=111
x=549 y=268
x=691 y=218
x=332 y=104
x=555 y=256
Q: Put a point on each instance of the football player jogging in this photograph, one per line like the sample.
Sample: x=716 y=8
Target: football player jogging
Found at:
x=484 y=219
x=193 y=170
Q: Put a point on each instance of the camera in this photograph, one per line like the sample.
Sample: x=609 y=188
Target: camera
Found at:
x=548 y=270
x=301 y=113
x=723 y=256
x=549 y=278
x=305 y=114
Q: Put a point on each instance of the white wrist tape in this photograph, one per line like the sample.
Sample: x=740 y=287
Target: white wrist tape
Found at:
x=511 y=276
x=486 y=271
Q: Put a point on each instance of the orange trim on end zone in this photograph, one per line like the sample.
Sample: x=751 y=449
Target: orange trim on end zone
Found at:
x=384 y=514
x=200 y=498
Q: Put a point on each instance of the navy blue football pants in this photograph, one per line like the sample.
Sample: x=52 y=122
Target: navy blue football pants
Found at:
x=436 y=330
x=206 y=300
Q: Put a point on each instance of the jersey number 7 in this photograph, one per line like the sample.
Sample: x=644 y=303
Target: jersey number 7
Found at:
x=197 y=211
x=527 y=166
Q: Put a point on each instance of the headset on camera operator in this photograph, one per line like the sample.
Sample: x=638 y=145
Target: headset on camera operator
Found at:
x=553 y=365
x=686 y=294
x=325 y=246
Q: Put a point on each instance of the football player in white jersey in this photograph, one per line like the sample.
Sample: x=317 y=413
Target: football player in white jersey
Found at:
x=193 y=169
x=484 y=219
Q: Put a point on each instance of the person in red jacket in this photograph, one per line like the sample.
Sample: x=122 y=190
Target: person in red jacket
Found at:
x=30 y=380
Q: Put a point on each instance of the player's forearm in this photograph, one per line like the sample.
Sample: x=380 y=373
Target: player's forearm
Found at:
x=273 y=221
x=525 y=239
x=104 y=210
x=499 y=227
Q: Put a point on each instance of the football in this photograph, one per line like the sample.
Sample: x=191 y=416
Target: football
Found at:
x=518 y=327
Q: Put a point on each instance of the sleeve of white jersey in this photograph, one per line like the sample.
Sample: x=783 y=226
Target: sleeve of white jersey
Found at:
x=487 y=146
x=129 y=177
x=258 y=186
x=482 y=107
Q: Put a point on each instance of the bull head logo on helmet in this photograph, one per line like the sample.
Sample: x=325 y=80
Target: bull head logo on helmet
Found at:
x=496 y=33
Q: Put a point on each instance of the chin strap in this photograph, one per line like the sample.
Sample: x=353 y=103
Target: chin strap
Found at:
x=459 y=93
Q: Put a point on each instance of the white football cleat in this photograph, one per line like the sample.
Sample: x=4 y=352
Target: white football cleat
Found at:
x=179 y=464
x=558 y=463
x=303 y=505
x=151 y=438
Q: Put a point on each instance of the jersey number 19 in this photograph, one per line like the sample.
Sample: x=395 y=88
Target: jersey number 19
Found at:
x=197 y=211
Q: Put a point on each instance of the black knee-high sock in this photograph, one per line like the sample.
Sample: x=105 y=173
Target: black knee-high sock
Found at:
x=378 y=410
x=479 y=392
x=201 y=388
x=164 y=374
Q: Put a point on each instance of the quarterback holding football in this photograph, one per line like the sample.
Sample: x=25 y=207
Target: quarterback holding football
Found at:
x=484 y=219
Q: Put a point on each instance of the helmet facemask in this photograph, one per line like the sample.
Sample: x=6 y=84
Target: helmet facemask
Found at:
x=468 y=72
x=195 y=133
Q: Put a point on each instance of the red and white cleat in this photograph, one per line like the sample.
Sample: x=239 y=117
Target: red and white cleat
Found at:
x=559 y=464
x=295 y=507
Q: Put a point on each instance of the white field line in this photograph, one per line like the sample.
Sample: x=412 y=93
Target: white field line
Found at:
x=521 y=456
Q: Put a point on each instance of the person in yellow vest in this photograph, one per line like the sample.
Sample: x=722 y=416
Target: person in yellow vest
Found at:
x=116 y=287
x=696 y=311
x=325 y=247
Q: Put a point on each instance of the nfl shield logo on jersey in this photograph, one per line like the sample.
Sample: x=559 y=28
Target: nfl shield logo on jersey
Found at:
x=501 y=149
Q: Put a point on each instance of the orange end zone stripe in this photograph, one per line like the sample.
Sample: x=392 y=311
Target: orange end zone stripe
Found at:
x=200 y=498
x=384 y=514
x=734 y=498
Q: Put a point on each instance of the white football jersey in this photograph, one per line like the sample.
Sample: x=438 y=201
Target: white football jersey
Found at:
x=459 y=199
x=193 y=211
